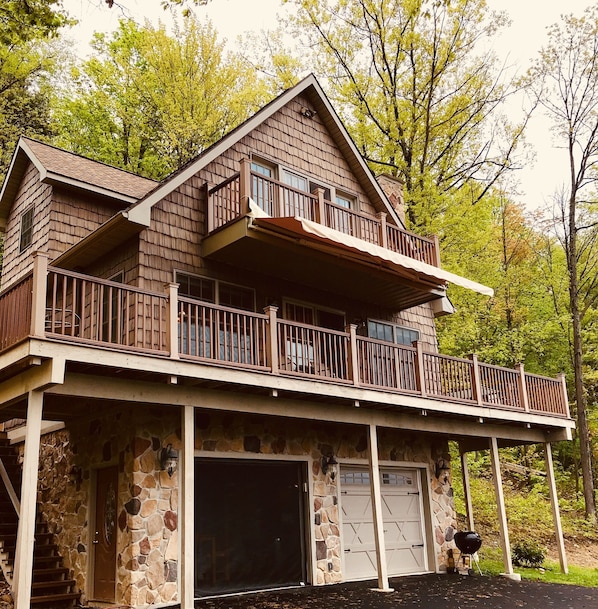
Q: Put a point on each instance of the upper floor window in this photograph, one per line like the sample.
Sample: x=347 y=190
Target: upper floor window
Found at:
x=308 y=314
x=26 y=229
x=392 y=332
x=295 y=180
x=344 y=200
x=215 y=291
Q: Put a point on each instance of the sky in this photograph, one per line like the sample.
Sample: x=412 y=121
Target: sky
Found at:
x=517 y=45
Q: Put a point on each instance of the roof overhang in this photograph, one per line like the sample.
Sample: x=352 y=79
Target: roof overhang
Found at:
x=113 y=233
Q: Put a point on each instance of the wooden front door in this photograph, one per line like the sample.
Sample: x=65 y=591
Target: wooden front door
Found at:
x=104 y=535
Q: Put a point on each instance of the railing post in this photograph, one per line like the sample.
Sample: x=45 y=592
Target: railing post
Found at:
x=522 y=387
x=39 y=287
x=382 y=235
x=272 y=338
x=321 y=207
x=353 y=359
x=172 y=322
x=245 y=186
x=211 y=217
x=436 y=258
x=420 y=377
x=561 y=378
x=476 y=381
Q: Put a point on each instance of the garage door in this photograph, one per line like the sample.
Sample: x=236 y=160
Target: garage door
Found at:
x=403 y=523
x=249 y=525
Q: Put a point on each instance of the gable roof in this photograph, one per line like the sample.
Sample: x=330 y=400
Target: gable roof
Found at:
x=309 y=86
x=57 y=166
x=138 y=215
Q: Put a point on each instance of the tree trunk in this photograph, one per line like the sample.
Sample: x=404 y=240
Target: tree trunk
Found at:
x=580 y=397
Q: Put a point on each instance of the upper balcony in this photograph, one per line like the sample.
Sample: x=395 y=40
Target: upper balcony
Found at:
x=60 y=306
x=267 y=226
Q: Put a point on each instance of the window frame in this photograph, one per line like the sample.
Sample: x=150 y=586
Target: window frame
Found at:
x=26 y=231
x=395 y=328
x=216 y=283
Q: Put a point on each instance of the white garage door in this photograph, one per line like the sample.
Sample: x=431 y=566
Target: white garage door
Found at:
x=403 y=525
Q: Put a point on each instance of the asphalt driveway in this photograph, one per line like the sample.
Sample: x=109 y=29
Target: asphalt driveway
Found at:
x=419 y=592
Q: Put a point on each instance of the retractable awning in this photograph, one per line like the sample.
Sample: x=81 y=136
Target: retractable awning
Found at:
x=311 y=230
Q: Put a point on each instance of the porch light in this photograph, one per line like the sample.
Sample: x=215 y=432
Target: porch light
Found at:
x=329 y=465
x=168 y=458
x=442 y=469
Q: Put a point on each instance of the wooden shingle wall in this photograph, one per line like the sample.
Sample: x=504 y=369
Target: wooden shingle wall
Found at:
x=287 y=139
x=31 y=193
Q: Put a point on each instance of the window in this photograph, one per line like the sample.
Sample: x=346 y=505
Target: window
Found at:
x=213 y=333
x=262 y=186
x=344 y=201
x=26 y=229
x=392 y=333
x=295 y=180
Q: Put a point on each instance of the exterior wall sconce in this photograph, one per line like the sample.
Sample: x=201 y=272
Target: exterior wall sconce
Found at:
x=442 y=470
x=307 y=112
x=169 y=459
x=329 y=466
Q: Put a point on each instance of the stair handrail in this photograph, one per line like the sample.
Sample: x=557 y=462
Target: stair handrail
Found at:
x=9 y=488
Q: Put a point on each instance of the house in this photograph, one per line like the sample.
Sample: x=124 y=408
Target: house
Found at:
x=230 y=380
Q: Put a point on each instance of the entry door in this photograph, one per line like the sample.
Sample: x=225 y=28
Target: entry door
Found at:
x=104 y=539
x=402 y=516
x=249 y=525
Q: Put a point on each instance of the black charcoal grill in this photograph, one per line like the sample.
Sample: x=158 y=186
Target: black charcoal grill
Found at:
x=468 y=543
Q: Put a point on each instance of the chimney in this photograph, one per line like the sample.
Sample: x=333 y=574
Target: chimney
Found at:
x=393 y=189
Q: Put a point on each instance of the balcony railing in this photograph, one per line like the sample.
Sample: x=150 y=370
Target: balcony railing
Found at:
x=226 y=201
x=64 y=306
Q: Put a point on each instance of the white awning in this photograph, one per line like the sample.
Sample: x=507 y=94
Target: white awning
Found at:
x=301 y=226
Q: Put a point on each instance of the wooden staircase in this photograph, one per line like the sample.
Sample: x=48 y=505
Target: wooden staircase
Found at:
x=51 y=588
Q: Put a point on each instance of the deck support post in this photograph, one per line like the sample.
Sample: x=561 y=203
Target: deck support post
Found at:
x=186 y=509
x=23 y=574
x=502 y=514
x=554 y=502
x=376 y=496
x=467 y=491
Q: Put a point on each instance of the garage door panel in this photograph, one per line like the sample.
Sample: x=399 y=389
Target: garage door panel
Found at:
x=403 y=526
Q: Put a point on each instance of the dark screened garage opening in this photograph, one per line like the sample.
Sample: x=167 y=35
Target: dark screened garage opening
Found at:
x=249 y=525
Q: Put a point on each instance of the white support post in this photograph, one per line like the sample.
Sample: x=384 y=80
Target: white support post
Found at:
x=26 y=531
x=186 y=509
x=502 y=514
x=554 y=502
x=376 y=496
x=467 y=491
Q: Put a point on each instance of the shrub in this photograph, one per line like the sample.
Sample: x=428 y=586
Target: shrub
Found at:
x=527 y=554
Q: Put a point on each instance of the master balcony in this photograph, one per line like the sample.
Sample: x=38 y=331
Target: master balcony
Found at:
x=228 y=201
x=59 y=306
x=268 y=227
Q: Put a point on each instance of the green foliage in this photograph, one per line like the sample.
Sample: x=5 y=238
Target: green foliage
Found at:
x=527 y=554
x=28 y=58
x=418 y=97
x=149 y=102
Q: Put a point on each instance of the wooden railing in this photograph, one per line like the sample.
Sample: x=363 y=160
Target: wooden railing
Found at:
x=86 y=309
x=226 y=202
x=15 y=312
x=70 y=307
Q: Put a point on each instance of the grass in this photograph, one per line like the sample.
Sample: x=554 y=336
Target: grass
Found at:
x=550 y=574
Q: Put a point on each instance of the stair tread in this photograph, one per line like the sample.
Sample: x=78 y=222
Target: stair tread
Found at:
x=54 y=583
x=45 y=598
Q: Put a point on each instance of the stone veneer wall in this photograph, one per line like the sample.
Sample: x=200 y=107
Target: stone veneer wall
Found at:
x=147 y=541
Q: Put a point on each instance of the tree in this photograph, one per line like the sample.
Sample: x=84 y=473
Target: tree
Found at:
x=565 y=80
x=27 y=58
x=420 y=99
x=149 y=102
